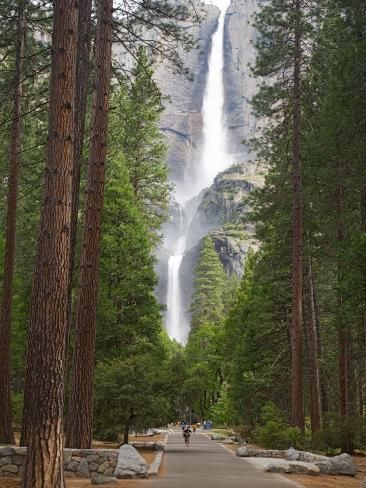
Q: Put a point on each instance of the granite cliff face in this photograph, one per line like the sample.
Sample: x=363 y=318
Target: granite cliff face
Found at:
x=218 y=210
x=182 y=120
x=240 y=87
x=220 y=214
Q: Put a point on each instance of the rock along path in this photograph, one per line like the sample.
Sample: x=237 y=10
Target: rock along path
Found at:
x=206 y=464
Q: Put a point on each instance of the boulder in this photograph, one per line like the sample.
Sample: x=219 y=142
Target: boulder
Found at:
x=299 y=467
x=130 y=464
x=293 y=454
x=99 y=479
x=309 y=457
x=294 y=467
x=281 y=466
x=243 y=452
x=342 y=464
x=217 y=437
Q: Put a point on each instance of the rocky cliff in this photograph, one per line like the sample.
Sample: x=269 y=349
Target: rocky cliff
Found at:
x=240 y=86
x=181 y=121
x=220 y=213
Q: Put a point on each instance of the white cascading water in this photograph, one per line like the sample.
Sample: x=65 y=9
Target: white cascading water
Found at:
x=214 y=158
x=177 y=327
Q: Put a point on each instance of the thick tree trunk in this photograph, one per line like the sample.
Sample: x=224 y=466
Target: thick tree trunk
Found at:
x=45 y=373
x=81 y=403
x=6 y=431
x=297 y=229
x=315 y=391
x=82 y=79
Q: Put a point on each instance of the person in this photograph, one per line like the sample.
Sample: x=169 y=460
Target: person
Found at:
x=187 y=435
x=194 y=428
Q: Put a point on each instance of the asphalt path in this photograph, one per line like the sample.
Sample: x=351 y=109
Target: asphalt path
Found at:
x=206 y=464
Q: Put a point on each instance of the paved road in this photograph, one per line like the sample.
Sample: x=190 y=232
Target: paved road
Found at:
x=205 y=464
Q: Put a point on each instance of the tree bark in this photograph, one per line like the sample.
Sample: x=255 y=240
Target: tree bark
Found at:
x=82 y=79
x=297 y=229
x=126 y=432
x=81 y=403
x=315 y=391
x=45 y=372
x=6 y=431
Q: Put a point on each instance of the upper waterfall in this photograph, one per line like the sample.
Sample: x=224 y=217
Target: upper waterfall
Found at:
x=213 y=156
x=214 y=151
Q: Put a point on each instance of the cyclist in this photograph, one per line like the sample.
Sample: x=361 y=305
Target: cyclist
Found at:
x=187 y=435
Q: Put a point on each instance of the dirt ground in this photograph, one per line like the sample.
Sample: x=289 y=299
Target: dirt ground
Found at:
x=334 y=481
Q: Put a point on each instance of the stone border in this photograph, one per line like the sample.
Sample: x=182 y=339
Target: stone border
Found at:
x=291 y=483
x=78 y=463
x=155 y=466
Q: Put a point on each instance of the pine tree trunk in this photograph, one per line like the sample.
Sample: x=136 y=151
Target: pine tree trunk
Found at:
x=82 y=79
x=297 y=228
x=45 y=373
x=126 y=432
x=315 y=391
x=6 y=431
x=81 y=402
x=343 y=333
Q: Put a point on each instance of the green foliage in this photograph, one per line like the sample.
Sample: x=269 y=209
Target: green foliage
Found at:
x=222 y=412
x=209 y=287
x=128 y=313
x=275 y=433
x=128 y=393
x=134 y=124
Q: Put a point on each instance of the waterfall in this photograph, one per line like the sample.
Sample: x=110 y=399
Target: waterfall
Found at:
x=214 y=158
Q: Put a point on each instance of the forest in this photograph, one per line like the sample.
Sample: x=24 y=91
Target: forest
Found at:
x=279 y=355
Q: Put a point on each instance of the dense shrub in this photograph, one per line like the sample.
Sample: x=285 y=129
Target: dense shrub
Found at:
x=273 y=431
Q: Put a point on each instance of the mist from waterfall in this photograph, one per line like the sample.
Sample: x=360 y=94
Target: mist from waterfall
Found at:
x=214 y=159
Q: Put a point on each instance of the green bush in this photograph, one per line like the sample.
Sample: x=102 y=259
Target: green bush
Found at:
x=274 y=433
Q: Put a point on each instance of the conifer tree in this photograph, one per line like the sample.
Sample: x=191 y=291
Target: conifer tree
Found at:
x=44 y=389
x=209 y=288
x=80 y=409
x=285 y=28
x=137 y=107
x=6 y=432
